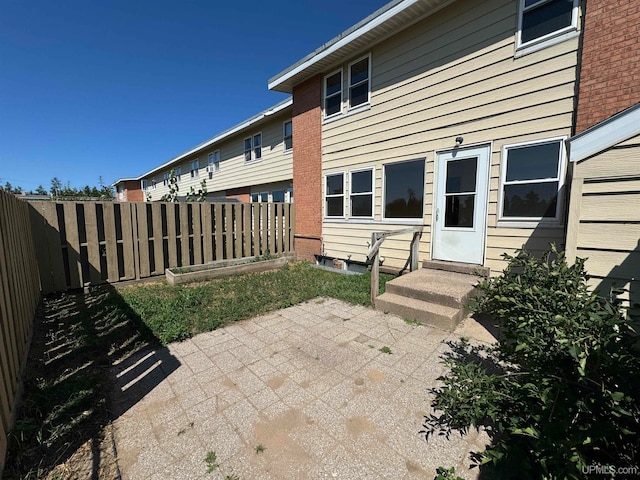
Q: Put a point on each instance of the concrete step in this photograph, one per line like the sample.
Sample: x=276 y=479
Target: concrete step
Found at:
x=427 y=313
x=449 y=289
x=467 y=268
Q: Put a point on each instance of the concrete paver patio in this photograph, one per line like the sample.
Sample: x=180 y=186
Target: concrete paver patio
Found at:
x=308 y=383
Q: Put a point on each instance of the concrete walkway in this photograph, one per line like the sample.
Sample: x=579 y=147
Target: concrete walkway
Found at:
x=302 y=393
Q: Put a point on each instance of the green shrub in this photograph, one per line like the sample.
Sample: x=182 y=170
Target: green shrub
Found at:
x=559 y=393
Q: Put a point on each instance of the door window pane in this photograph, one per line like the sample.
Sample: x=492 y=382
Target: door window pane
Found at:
x=459 y=211
x=461 y=175
x=404 y=189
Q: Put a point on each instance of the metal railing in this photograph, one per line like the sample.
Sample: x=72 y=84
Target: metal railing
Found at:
x=373 y=255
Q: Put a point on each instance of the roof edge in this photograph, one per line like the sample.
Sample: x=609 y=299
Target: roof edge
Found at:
x=606 y=134
x=278 y=107
x=363 y=26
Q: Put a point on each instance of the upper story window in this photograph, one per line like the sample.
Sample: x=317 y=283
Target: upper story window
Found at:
x=542 y=20
x=531 y=181
x=178 y=173
x=361 y=193
x=165 y=178
x=404 y=190
x=145 y=184
x=287 y=135
x=214 y=163
x=334 y=195
x=253 y=148
x=359 y=74
x=333 y=94
x=195 y=168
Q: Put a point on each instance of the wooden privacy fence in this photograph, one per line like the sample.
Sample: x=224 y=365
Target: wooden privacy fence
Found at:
x=81 y=243
x=19 y=298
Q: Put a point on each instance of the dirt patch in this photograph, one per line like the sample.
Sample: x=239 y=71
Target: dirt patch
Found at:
x=376 y=375
x=275 y=382
x=357 y=426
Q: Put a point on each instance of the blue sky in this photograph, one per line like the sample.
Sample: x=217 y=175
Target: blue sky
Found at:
x=114 y=88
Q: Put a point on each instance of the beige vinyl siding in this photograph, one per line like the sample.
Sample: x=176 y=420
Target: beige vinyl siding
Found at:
x=453 y=74
x=274 y=166
x=604 y=225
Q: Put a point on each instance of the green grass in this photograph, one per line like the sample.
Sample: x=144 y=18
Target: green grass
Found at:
x=177 y=312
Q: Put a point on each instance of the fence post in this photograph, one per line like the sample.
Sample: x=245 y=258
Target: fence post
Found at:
x=375 y=271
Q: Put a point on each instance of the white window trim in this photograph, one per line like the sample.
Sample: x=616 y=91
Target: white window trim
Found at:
x=548 y=39
x=324 y=95
x=324 y=196
x=194 y=166
x=411 y=221
x=165 y=178
x=253 y=148
x=368 y=102
x=214 y=166
x=284 y=137
x=518 y=222
x=178 y=173
x=372 y=193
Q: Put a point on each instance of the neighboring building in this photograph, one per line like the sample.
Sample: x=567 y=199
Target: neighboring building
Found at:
x=249 y=162
x=128 y=190
x=448 y=115
x=604 y=220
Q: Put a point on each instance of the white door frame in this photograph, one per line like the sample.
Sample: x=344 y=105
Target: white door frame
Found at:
x=478 y=233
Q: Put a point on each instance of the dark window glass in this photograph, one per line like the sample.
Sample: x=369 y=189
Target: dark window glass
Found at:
x=533 y=162
x=335 y=184
x=257 y=146
x=360 y=71
x=247 y=149
x=361 y=182
x=332 y=105
x=334 y=84
x=288 y=136
x=335 y=206
x=359 y=95
x=277 y=196
x=545 y=19
x=536 y=200
x=459 y=211
x=404 y=189
x=361 y=206
x=255 y=197
x=461 y=175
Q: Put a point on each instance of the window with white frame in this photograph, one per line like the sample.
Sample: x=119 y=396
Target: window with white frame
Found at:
x=404 y=190
x=334 y=195
x=153 y=184
x=214 y=163
x=145 y=184
x=333 y=94
x=178 y=173
x=541 y=20
x=287 y=134
x=165 y=178
x=359 y=82
x=195 y=168
x=531 y=181
x=253 y=148
x=361 y=193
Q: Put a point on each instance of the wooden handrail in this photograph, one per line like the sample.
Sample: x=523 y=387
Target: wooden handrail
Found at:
x=373 y=255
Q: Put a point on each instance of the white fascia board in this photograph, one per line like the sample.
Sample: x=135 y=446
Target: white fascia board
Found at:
x=120 y=180
x=333 y=47
x=606 y=134
x=227 y=133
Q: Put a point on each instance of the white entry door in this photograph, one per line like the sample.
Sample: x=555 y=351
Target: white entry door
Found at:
x=459 y=230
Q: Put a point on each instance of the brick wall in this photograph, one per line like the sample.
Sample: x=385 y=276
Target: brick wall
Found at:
x=610 y=71
x=307 y=167
x=243 y=194
x=133 y=192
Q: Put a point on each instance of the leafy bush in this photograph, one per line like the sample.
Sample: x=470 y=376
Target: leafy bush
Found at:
x=559 y=393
